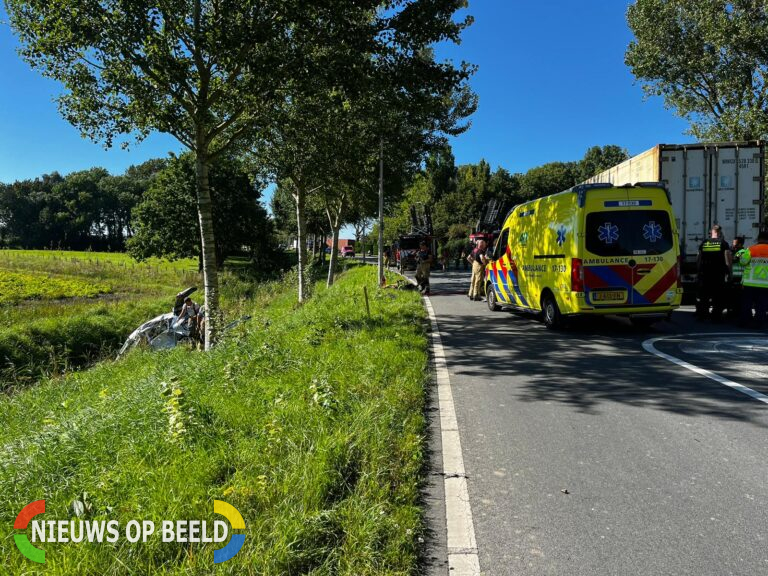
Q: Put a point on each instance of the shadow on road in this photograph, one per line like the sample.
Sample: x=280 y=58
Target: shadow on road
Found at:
x=594 y=362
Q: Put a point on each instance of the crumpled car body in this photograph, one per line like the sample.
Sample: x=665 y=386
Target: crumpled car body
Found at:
x=159 y=333
x=165 y=331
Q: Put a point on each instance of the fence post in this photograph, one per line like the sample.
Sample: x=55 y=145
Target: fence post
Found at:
x=367 y=308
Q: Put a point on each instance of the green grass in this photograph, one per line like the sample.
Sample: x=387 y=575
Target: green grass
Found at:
x=18 y=286
x=307 y=419
x=100 y=299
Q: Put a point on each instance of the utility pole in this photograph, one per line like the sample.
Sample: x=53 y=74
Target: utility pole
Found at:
x=381 y=212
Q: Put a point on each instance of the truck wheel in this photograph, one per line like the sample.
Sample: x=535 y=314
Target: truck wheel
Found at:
x=550 y=312
x=490 y=298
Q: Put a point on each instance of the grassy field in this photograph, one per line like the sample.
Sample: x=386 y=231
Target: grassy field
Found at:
x=308 y=420
x=18 y=286
x=65 y=310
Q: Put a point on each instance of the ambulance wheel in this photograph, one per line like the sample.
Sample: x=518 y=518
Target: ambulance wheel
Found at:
x=490 y=297
x=550 y=312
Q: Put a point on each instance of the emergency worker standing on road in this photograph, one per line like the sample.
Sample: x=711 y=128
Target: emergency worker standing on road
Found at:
x=755 y=281
x=737 y=271
x=714 y=265
x=423 y=265
x=478 y=258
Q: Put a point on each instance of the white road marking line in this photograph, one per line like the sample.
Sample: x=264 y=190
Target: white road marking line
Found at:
x=462 y=546
x=648 y=345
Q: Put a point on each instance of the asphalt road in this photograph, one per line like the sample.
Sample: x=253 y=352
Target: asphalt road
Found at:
x=666 y=470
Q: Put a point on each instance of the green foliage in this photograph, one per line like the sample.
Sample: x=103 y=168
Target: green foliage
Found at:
x=321 y=452
x=203 y=72
x=385 y=96
x=707 y=59
x=165 y=221
x=89 y=209
x=25 y=212
x=283 y=209
x=549 y=179
x=441 y=170
x=457 y=196
x=597 y=159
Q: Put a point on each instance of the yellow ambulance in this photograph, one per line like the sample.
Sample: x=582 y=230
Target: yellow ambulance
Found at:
x=593 y=249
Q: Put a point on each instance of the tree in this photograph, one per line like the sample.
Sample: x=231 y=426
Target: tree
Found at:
x=118 y=196
x=505 y=186
x=85 y=209
x=548 y=179
x=387 y=85
x=21 y=205
x=598 y=159
x=73 y=209
x=201 y=71
x=165 y=218
x=708 y=59
x=440 y=167
x=361 y=225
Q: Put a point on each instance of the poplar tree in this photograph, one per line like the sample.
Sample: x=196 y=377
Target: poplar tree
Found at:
x=202 y=71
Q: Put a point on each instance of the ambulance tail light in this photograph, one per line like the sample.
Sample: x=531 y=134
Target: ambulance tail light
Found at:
x=577 y=275
x=679 y=269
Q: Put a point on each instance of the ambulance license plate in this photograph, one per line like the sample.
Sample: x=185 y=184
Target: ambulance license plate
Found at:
x=609 y=296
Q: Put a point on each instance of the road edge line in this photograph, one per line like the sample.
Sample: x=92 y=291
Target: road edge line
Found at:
x=463 y=558
x=649 y=346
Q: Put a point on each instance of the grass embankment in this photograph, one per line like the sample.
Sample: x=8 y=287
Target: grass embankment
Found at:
x=307 y=419
x=50 y=321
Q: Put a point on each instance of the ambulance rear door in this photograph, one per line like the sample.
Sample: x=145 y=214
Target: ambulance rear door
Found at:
x=630 y=251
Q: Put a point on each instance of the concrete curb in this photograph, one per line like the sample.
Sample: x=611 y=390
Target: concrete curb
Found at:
x=463 y=558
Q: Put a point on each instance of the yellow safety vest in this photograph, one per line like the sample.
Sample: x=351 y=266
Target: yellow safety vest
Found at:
x=755 y=262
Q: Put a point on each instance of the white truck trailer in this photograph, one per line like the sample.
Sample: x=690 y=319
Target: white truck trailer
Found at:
x=708 y=184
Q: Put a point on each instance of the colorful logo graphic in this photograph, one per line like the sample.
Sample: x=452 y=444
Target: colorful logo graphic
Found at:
x=97 y=531
x=22 y=521
x=236 y=542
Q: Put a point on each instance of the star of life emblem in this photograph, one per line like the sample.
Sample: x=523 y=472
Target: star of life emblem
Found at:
x=608 y=233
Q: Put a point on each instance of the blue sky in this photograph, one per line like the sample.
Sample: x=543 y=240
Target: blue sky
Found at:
x=552 y=82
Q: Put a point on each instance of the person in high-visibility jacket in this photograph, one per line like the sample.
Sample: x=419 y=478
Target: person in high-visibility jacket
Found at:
x=737 y=272
x=714 y=265
x=755 y=280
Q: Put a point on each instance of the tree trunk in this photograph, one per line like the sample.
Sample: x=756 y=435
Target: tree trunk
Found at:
x=380 y=250
x=334 y=254
x=333 y=210
x=322 y=248
x=208 y=245
x=300 y=198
